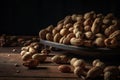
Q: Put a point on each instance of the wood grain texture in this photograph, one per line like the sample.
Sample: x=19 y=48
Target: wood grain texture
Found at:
x=45 y=71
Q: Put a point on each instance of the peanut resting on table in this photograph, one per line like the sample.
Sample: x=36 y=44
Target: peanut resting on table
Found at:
x=89 y=29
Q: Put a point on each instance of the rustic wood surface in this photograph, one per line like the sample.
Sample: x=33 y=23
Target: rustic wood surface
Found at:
x=45 y=71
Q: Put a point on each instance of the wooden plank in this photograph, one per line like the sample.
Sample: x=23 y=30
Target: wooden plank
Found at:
x=46 y=70
x=8 y=68
x=30 y=78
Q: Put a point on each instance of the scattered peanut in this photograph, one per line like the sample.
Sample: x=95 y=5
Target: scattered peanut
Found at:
x=111 y=73
x=94 y=72
x=60 y=59
x=39 y=57
x=45 y=51
x=64 y=68
x=79 y=63
x=95 y=61
x=79 y=71
x=31 y=63
x=56 y=59
x=73 y=60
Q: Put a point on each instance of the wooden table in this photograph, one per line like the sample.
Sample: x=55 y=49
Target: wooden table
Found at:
x=45 y=71
x=11 y=68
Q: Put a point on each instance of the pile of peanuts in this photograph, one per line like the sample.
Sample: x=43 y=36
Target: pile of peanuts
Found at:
x=89 y=29
x=84 y=70
x=32 y=55
x=14 y=41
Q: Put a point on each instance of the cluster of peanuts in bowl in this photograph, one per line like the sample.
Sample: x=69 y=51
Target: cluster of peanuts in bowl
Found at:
x=89 y=29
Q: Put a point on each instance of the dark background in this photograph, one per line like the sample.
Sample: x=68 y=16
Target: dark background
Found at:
x=28 y=17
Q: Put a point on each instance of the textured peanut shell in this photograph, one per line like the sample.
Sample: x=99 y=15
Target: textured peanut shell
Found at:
x=32 y=50
x=54 y=32
x=64 y=68
x=75 y=30
x=32 y=63
x=109 y=16
x=100 y=42
x=87 y=28
x=89 y=35
x=99 y=35
x=78 y=26
x=71 y=35
x=115 y=22
x=57 y=37
x=73 y=60
x=50 y=28
x=90 y=14
x=115 y=34
x=107 y=21
x=56 y=59
x=110 y=30
x=49 y=37
x=64 y=31
x=26 y=56
x=39 y=57
x=78 y=71
x=74 y=17
x=111 y=69
x=96 y=25
x=80 y=18
x=61 y=40
x=94 y=72
x=66 y=40
x=76 y=42
x=79 y=63
x=87 y=15
x=59 y=27
x=79 y=34
x=88 y=22
x=111 y=42
x=67 y=26
x=67 y=20
x=42 y=34
x=71 y=29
